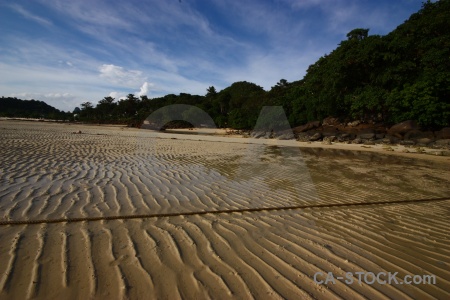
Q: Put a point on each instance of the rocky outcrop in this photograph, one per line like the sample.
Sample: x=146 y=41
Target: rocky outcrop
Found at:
x=331 y=130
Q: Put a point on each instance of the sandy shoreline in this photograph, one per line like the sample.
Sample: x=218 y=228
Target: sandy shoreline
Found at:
x=220 y=134
x=47 y=172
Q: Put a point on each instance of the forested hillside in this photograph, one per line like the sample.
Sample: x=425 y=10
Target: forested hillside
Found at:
x=404 y=75
x=13 y=107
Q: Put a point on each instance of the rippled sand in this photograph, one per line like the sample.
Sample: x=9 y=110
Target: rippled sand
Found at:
x=92 y=184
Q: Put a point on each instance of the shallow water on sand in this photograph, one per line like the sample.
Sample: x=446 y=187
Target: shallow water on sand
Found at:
x=47 y=172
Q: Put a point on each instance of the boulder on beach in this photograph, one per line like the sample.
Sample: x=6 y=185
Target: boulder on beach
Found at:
x=317 y=136
x=344 y=137
x=418 y=134
x=354 y=123
x=444 y=133
x=441 y=144
x=329 y=131
x=287 y=135
x=330 y=121
x=307 y=126
x=303 y=137
x=257 y=134
x=403 y=127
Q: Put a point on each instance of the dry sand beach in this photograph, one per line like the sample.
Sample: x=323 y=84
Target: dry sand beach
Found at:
x=114 y=213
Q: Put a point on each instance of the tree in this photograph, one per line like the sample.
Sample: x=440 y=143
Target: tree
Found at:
x=87 y=110
x=86 y=105
x=358 y=34
x=211 y=91
x=282 y=83
x=105 y=109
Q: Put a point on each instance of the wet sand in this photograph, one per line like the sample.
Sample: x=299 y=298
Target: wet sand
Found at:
x=91 y=183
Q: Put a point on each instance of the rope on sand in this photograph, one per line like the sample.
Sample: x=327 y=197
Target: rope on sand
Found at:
x=228 y=211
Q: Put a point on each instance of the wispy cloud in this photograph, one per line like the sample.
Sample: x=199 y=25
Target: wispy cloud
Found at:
x=120 y=76
x=30 y=16
x=99 y=13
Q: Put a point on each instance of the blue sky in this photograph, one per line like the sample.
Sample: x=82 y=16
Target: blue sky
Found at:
x=67 y=52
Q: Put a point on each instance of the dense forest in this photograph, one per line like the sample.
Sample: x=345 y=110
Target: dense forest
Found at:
x=404 y=75
x=16 y=108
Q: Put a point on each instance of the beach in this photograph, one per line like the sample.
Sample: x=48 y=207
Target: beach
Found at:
x=107 y=212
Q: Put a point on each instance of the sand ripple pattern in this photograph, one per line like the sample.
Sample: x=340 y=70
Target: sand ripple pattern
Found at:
x=251 y=255
x=48 y=173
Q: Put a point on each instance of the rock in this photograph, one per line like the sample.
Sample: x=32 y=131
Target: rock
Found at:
x=303 y=137
x=424 y=141
x=268 y=135
x=379 y=136
x=386 y=141
x=441 y=144
x=417 y=134
x=326 y=142
x=407 y=143
x=330 y=121
x=330 y=138
x=307 y=126
x=329 y=131
x=389 y=139
x=257 y=134
x=444 y=133
x=317 y=136
x=366 y=133
x=367 y=136
x=286 y=136
x=368 y=142
x=357 y=141
x=403 y=127
x=354 y=123
x=345 y=137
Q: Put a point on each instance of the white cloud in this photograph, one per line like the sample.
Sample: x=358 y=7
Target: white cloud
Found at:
x=37 y=96
x=117 y=95
x=59 y=100
x=120 y=76
x=145 y=89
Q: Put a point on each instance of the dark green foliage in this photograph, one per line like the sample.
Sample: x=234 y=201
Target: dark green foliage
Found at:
x=403 y=75
x=13 y=107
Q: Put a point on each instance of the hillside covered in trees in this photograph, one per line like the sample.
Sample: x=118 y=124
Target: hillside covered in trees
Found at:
x=13 y=107
x=404 y=75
